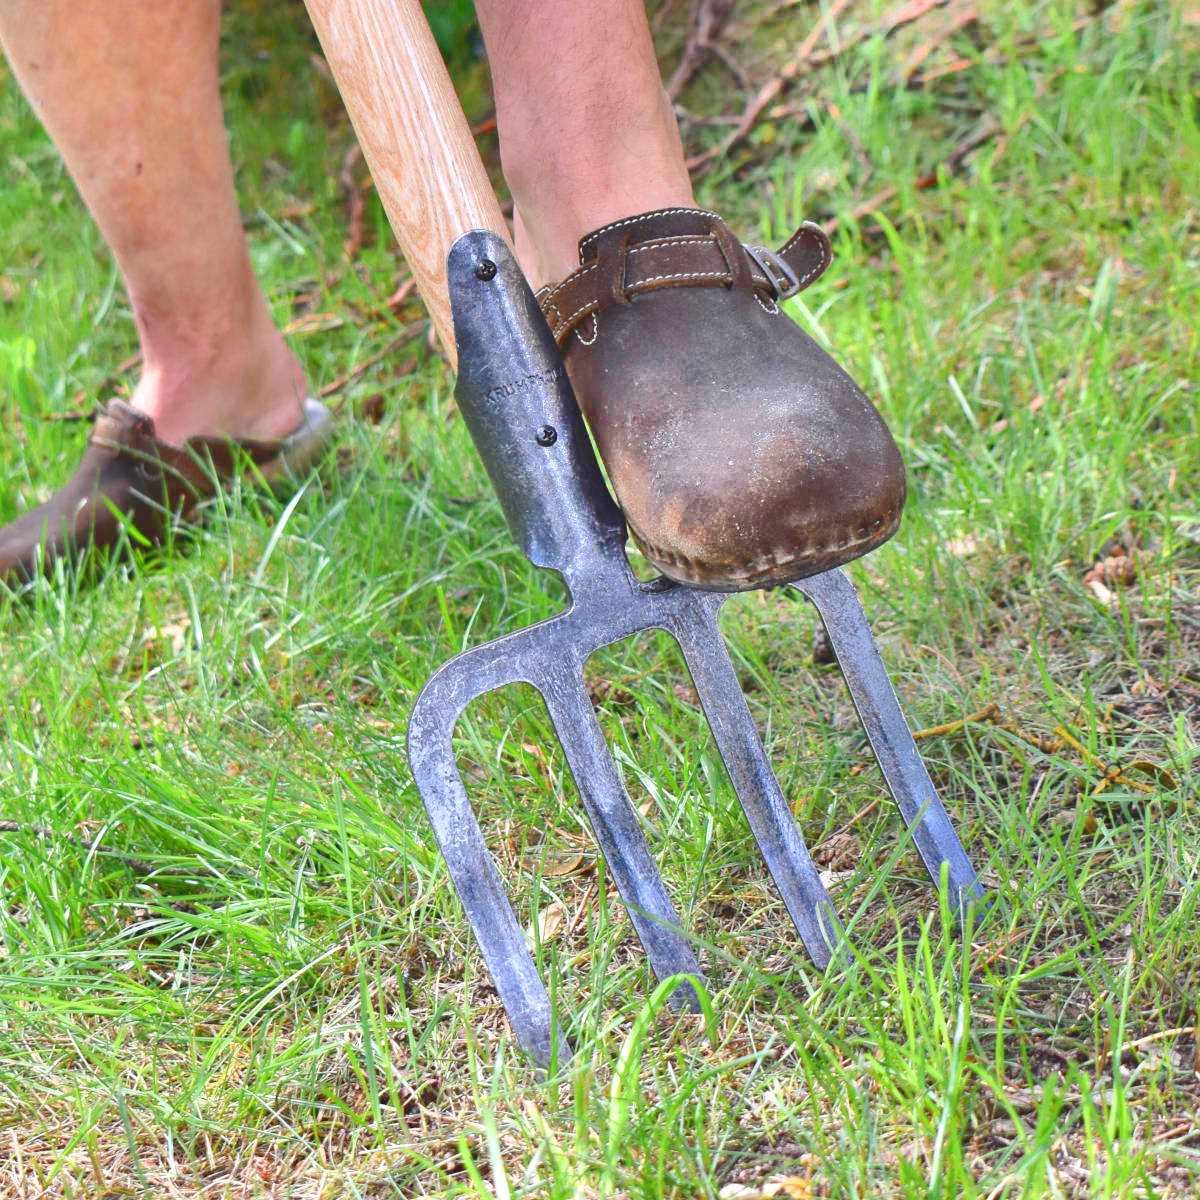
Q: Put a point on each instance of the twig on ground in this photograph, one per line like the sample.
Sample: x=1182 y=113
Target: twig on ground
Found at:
x=708 y=19
x=664 y=11
x=692 y=119
x=987 y=129
x=865 y=209
x=957 y=24
x=1061 y=737
x=121 y=369
x=355 y=205
x=1032 y=43
x=321 y=322
x=397 y=299
x=935 y=73
x=406 y=335
x=865 y=811
x=313 y=323
x=90 y=414
x=67 y=416
x=984 y=132
x=1161 y=1035
x=138 y=865
x=731 y=65
x=854 y=141
x=772 y=88
x=1111 y=774
x=986 y=715
x=805 y=60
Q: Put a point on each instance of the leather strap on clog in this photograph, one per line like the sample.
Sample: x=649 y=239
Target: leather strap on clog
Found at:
x=624 y=265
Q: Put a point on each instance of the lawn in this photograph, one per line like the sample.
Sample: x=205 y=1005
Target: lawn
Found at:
x=232 y=963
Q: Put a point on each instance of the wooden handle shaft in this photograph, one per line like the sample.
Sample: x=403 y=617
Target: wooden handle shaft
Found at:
x=413 y=134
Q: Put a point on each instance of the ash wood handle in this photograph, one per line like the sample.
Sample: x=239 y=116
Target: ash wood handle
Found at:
x=413 y=134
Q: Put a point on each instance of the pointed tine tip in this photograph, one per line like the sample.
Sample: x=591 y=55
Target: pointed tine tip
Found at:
x=684 y=998
x=550 y=1052
x=975 y=905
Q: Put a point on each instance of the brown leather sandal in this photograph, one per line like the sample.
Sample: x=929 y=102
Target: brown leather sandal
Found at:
x=741 y=453
x=130 y=480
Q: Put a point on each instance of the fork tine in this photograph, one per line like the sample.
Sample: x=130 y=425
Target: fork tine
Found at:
x=750 y=772
x=619 y=833
x=500 y=937
x=891 y=739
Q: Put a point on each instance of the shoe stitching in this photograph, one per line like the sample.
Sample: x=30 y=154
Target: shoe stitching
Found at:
x=773 y=558
x=814 y=234
x=662 y=212
x=582 y=271
x=685 y=241
x=592 y=305
x=595 y=333
x=809 y=276
x=589 y=307
x=546 y=295
x=548 y=303
x=658 y=243
x=685 y=275
x=806 y=231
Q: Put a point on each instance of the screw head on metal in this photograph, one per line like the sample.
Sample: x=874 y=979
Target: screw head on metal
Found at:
x=485 y=269
x=547 y=435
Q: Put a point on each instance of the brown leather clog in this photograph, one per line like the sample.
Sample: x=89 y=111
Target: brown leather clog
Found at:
x=740 y=452
x=128 y=479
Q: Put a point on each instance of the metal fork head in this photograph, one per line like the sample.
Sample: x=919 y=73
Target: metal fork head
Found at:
x=514 y=394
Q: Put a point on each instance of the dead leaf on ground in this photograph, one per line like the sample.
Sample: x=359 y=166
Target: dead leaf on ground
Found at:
x=794 y=1187
x=776 y=1187
x=1156 y=771
x=1001 y=425
x=175 y=635
x=558 y=865
x=550 y=922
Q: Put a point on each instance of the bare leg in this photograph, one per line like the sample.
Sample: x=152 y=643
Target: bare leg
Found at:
x=587 y=134
x=129 y=93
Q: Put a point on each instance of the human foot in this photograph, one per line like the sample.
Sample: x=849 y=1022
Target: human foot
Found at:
x=741 y=453
x=225 y=373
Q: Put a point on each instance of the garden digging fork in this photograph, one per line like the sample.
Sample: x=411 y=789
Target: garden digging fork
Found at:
x=517 y=402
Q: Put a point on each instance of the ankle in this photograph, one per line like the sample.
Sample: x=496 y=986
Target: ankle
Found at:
x=548 y=246
x=565 y=191
x=242 y=383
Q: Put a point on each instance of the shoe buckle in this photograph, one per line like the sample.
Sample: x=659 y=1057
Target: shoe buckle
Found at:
x=779 y=275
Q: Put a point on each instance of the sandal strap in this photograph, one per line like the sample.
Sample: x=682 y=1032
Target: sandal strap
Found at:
x=624 y=269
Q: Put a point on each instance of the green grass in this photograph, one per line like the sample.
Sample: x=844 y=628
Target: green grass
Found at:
x=231 y=960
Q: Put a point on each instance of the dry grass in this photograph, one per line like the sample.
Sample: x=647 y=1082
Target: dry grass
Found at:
x=231 y=962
